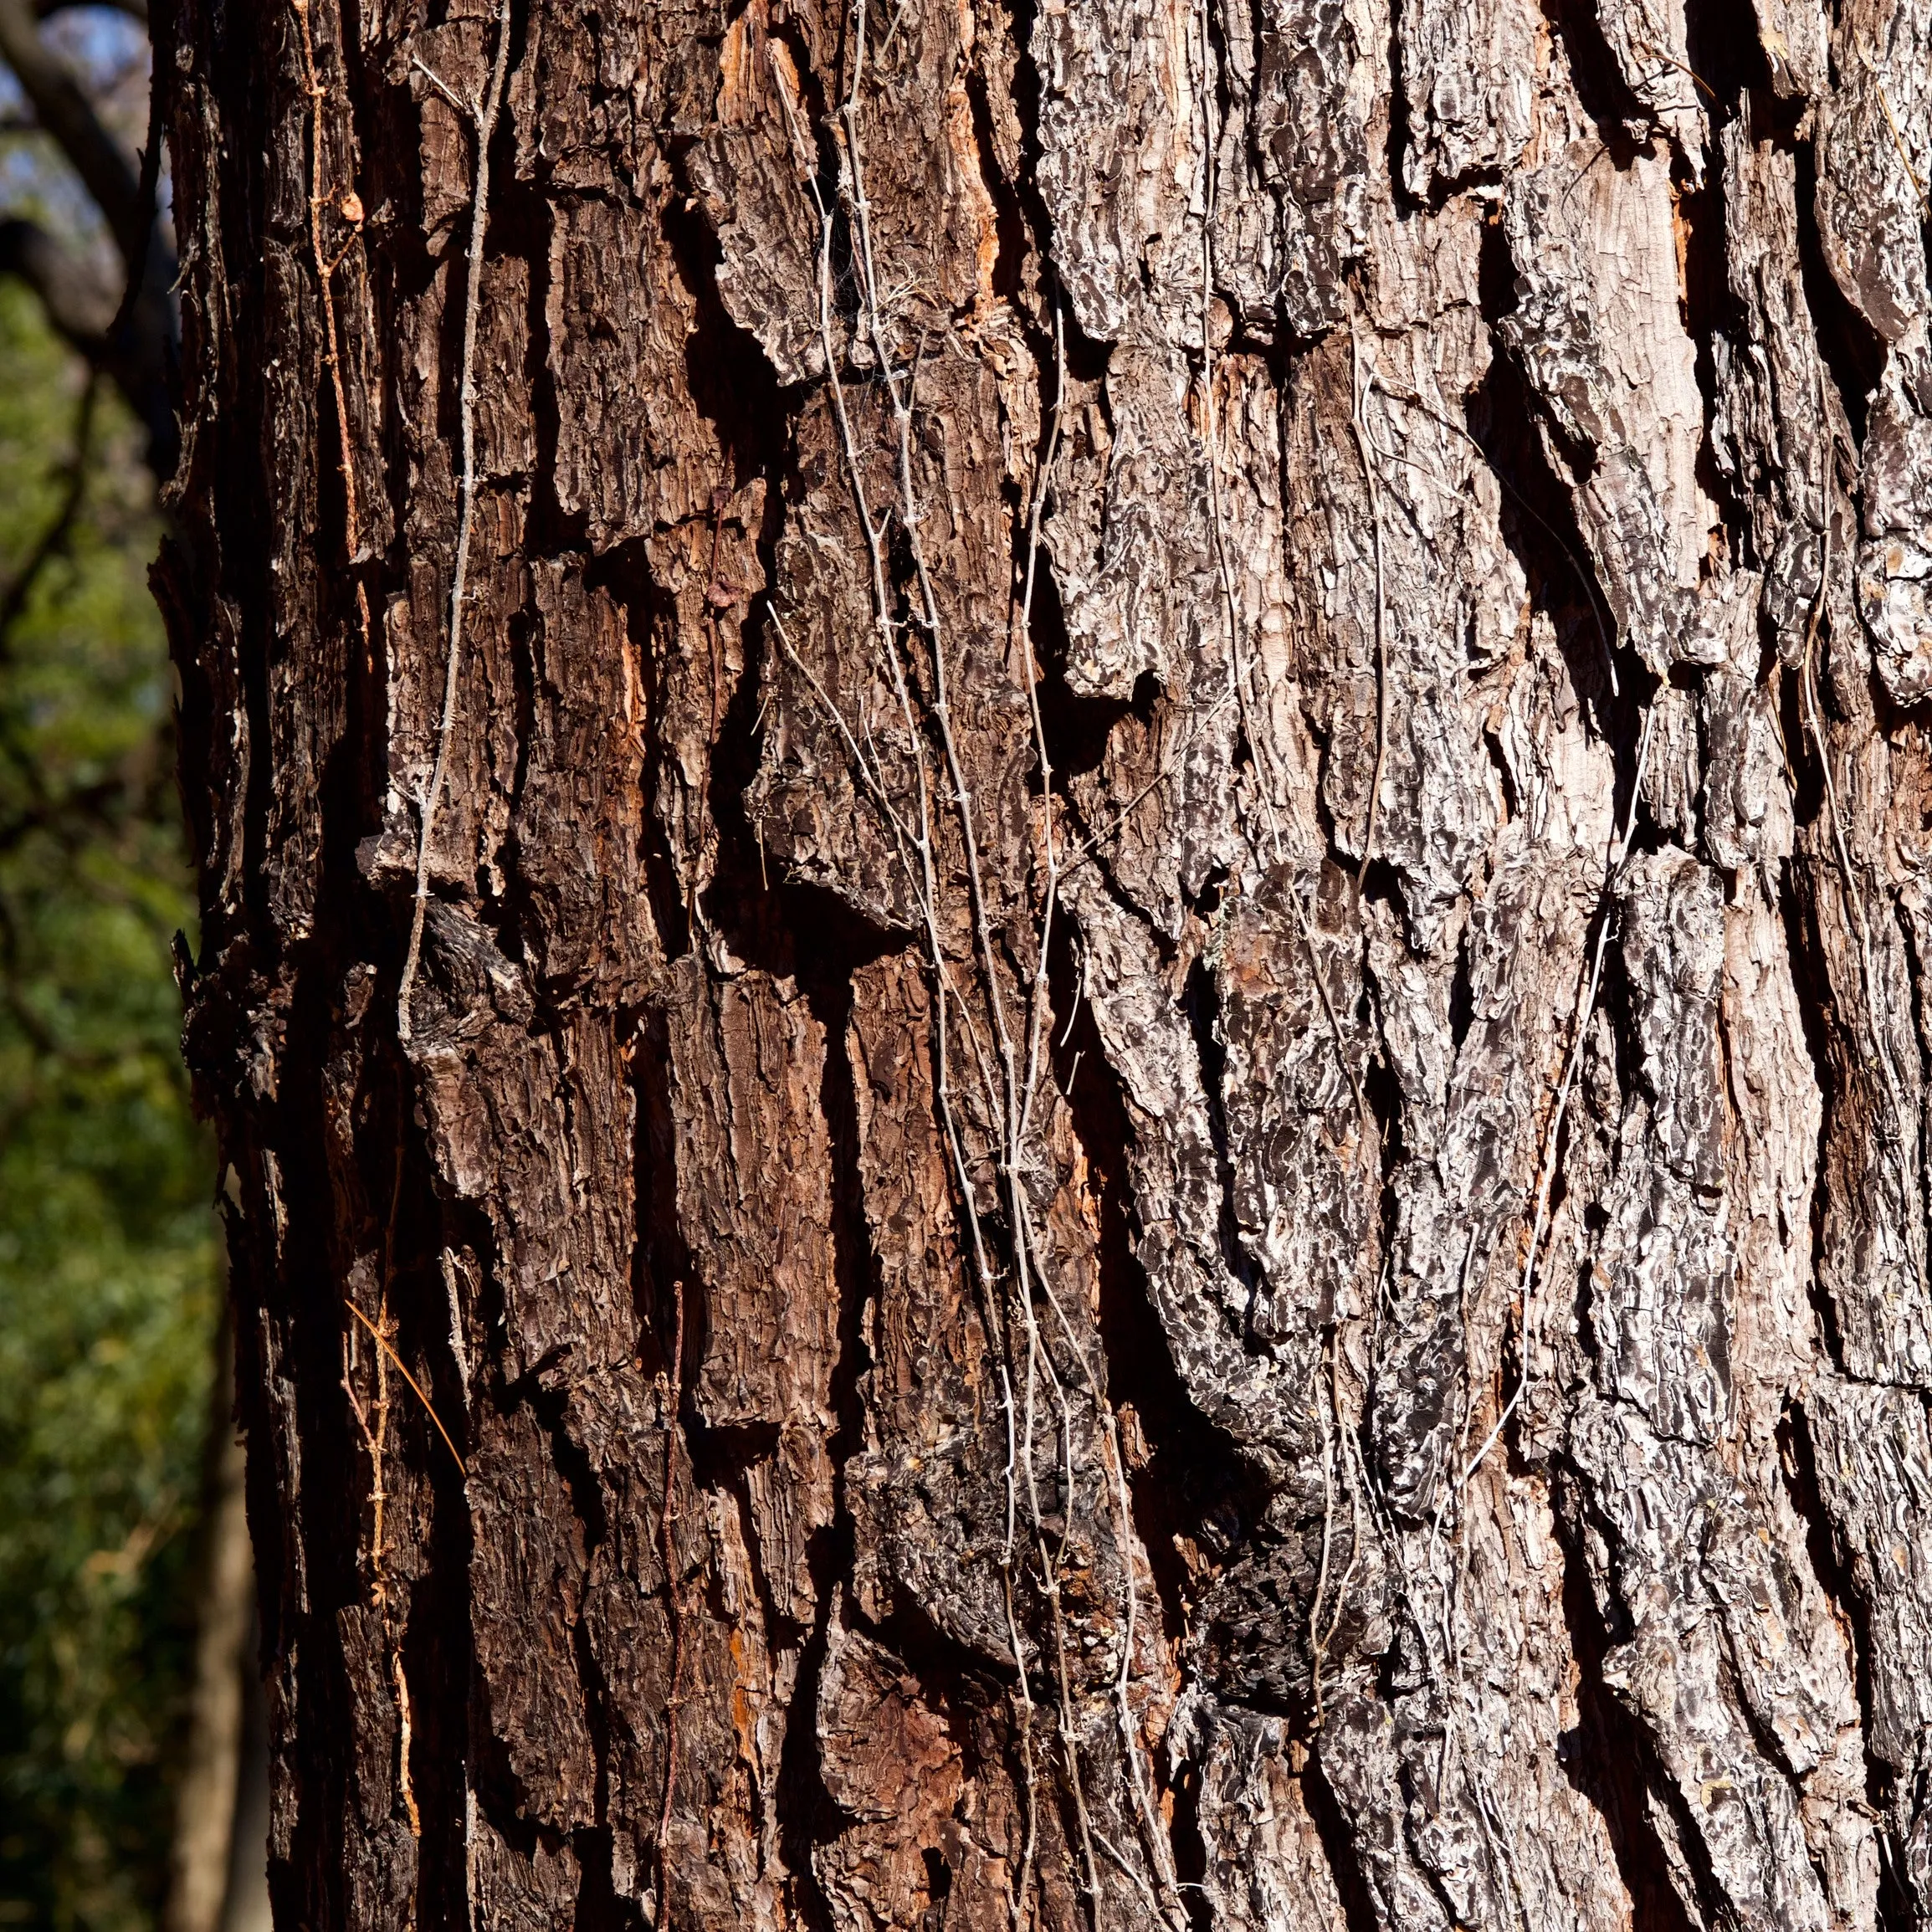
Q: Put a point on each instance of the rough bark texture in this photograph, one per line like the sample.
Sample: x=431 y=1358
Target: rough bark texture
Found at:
x=1159 y=1140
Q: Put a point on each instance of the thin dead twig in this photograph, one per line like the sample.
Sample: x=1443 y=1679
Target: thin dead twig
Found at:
x=1904 y=159
x=1210 y=439
x=429 y=1407
x=1410 y=400
x=1197 y=722
x=1359 y=388
x=1689 y=72
x=1007 y=1094
x=1619 y=855
x=350 y=204
x=481 y=116
x=1023 y=624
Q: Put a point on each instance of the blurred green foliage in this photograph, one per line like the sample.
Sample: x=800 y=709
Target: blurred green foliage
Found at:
x=108 y=1281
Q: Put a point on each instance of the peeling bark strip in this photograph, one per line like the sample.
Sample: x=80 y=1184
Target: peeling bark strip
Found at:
x=1077 y=855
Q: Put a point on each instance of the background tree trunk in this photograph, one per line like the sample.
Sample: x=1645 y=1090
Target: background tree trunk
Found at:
x=216 y=1871
x=1152 y=1110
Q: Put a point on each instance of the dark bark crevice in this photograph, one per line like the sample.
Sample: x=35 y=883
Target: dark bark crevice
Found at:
x=1201 y=1003
x=438 y=1662
x=1608 y=1759
x=1538 y=521
x=1340 y=1847
x=808 y=1815
x=624 y=573
x=1195 y=1487
x=1797 y=1465
x=1854 y=352
x=1797 y=918
x=1621 y=119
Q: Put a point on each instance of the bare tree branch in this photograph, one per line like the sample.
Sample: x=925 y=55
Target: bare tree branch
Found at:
x=134 y=348
x=54 y=539
x=68 y=116
x=134 y=10
x=131 y=339
x=79 y=302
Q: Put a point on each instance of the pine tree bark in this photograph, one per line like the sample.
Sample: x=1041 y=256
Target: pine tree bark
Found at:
x=1065 y=913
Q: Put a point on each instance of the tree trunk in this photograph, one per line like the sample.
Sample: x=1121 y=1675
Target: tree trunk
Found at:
x=1065 y=910
x=218 y=1764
